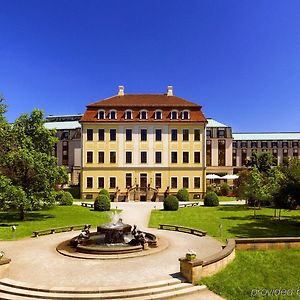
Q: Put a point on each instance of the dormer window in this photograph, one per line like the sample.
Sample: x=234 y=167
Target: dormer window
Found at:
x=143 y=115
x=101 y=114
x=112 y=114
x=128 y=114
x=158 y=115
x=174 y=115
x=185 y=115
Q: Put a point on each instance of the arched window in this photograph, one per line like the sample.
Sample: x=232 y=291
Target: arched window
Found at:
x=113 y=114
x=128 y=114
x=158 y=115
x=174 y=115
x=143 y=115
x=185 y=115
x=101 y=114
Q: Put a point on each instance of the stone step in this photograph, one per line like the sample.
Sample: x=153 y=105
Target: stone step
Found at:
x=130 y=287
x=154 y=293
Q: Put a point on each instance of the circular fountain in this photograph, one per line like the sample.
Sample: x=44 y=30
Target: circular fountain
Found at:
x=114 y=238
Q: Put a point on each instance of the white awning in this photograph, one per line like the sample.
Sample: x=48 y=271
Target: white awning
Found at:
x=213 y=176
x=231 y=177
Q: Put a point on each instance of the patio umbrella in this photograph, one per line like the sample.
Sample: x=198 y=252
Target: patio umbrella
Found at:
x=230 y=176
x=213 y=176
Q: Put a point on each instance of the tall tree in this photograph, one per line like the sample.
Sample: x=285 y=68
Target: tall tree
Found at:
x=31 y=173
x=263 y=161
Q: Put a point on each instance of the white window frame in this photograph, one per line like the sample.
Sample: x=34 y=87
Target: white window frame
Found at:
x=101 y=110
x=110 y=188
x=131 y=114
x=182 y=114
x=176 y=111
x=87 y=156
x=98 y=182
x=161 y=179
x=131 y=179
x=116 y=114
x=188 y=177
x=194 y=182
x=158 y=110
x=146 y=111
x=176 y=182
x=87 y=181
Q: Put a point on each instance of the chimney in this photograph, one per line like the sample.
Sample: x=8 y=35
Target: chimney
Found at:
x=170 y=90
x=121 y=90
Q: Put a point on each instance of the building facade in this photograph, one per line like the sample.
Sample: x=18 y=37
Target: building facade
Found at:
x=68 y=148
x=132 y=144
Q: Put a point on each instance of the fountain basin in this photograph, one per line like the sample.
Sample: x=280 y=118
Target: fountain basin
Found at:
x=114 y=234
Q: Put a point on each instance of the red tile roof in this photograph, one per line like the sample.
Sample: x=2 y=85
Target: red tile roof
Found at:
x=137 y=102
x=143 y=100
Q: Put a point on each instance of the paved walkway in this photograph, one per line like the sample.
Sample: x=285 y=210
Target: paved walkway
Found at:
x=35 y=260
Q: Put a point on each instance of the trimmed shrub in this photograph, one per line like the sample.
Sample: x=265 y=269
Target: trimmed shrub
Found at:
x=171 y=203
x=211 y=199
x=183 y=195
x=225 y=189
x=104 y=192
x=102 y=203
x=64 y=198
x=74 y=190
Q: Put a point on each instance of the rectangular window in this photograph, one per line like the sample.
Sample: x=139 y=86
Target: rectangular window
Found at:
x=101 y=134
x=143 y=134
x=100 y=182
x=253 y=144
x=65 y=153
x=244 y=157
x=158 y=134
x=101 y=157
x=128 y=180
x=143 y=157
x=158 y=157
x=128 y=134
x=173 y=182
x=208 y=153
x=112 y=157
x=295 y=144
x=112 y=182
x=174 y=133
x=221 y=133
x=208 y=133
x=234 y=144
x=174 y=157
x=264 y=144
x=65 y=135
x=89 y=182
x=89 y=134
x=285 y=144
x=234 y=157
x=196 y=182
x=185 y=134
x=221 y=153
x=197 y=135
x=113 y=134
x=128 y=157
x=89 y=157
x=185 y=157
x=197 y=157
x=158 y=180
x=185 y=182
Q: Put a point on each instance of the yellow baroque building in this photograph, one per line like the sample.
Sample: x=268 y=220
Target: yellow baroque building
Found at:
x=143 y=146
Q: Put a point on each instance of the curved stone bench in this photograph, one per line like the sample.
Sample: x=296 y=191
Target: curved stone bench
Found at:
x=58 y=229
x=183 y=229
x=4 y=265
x=194 y=270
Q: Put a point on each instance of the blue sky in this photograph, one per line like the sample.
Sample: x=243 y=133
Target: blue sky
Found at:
x=239 y=59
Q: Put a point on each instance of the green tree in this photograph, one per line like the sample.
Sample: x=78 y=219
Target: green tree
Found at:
x=28 y=165
x=263 y=161
x=261 y=187
x=288 y=195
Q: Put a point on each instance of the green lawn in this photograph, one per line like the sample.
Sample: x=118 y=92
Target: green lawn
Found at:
x=225 y=198
x=236 y=220
x=254 y=270
x=43 y=219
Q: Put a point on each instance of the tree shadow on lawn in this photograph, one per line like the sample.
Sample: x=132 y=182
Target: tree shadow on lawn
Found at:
x=7 y=218
x=232 y=207
x=264 y=226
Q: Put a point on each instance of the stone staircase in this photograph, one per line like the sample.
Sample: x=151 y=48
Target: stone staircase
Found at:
x=165 y=289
